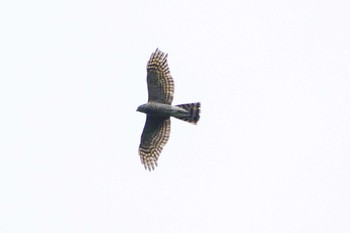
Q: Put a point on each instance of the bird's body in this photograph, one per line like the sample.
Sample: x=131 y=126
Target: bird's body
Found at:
x=163 y=110
x=159 y=110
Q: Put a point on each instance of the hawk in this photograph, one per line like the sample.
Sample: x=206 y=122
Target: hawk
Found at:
x=159 y=110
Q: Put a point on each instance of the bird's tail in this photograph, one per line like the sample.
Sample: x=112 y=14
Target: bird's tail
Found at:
x=193 y=110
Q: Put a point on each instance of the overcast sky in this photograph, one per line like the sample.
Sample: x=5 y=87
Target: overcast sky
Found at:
x=271 y=150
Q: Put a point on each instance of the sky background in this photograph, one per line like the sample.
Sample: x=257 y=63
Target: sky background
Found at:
x=271 y=150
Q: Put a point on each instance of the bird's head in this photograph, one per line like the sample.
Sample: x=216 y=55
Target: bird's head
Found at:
x=141 y=108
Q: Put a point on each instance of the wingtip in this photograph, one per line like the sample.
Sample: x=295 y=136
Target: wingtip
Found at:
x=160 y=51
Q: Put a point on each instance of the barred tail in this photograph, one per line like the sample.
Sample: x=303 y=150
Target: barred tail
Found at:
x=193 y=110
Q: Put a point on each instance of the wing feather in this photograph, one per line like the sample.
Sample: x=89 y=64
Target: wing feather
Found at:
x=159 y=81
x=154 y=136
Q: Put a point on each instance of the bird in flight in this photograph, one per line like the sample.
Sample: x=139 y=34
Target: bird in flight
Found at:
x=159 y=110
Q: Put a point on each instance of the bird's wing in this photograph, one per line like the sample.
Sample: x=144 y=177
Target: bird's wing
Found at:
x=154 y=136
x=159 y=81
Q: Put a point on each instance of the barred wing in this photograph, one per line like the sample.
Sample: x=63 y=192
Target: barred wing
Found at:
x=159 y=81
x=154 y=136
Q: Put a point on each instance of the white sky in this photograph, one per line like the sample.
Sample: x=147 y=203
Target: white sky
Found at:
x=270 y=153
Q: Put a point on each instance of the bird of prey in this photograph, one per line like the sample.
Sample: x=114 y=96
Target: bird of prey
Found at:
x=159 y=110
